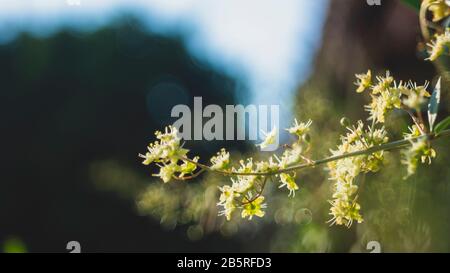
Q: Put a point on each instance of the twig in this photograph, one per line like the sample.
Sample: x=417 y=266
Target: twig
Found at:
x=384 y=147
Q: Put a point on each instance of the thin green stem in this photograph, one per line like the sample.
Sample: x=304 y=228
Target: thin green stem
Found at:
x=384 y=147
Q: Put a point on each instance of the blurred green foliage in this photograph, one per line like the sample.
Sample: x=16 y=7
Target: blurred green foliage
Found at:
x=14 y=245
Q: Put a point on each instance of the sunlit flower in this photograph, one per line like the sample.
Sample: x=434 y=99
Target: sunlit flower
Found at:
x=167 y=171
x=419 y=150
x=414 y=101
x=269 y=138
x=227 y=209
x=300 y=129
x=288 y=181
x=439 y=46
x=413 y=132
x=228 y=193
x=221 y=161
x=291 y=156
x=345 y=212
x=188 y=167
x=254 y=208
x=344 y=171
x=166 y=149
x=266 y=166
x=151 y=155
x=244 y=182
x=355 y=133
x=363 y=81
x=384 y=83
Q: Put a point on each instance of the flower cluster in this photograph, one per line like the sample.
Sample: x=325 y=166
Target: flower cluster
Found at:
x=420 y=149
x=221 y=161
x=245 y=192
x=269 y=138
x=439 y=46
x=249 y=178
x=167 y=153
x=440 y=41
x=344 y=207
x=388 y=95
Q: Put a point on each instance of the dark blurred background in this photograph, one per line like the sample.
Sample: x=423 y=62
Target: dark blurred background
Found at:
x=69 y=100
x=78 y=106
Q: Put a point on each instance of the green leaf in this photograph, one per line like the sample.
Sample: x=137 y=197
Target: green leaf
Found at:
x=415 y=4
x=433 y=106
x=441 y=126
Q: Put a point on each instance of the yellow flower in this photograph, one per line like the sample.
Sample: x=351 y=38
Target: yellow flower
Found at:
x=345 y=212
x=269 y=138
x=227 y=194
x=419 y=150
x=414 y=101
x=254 y=208
x=228 y=209
x=363 y=81
x=221 y=161
x=383 y=84
x=167 y=171
x=266 y=166
x=377 y=109
x=291 y=156
x=299 y=129
x=413 y=132
x=243 y=183
x=439 y=46
x=288 y=181
x=188 y=167
x=149 y=157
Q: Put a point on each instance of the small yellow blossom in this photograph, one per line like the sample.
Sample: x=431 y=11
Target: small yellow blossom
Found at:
x=266 y=166
x=385 y=97
x=384 y=83
x=413 y=132
x=167 y=171
x=288 y=181
x=419 y=149
x=188 y=167
x=254 y=208
x=345 y=212
x=221 y=161
x=291 y=156
x=227 y=201
x=228 y=194
x=269 y=138
x=439 y=46
x=228 y=209
x=414 y=101
x=300 y=129
x=363 y=81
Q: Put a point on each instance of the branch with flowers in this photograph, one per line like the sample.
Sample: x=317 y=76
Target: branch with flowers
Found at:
x=361 y=150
